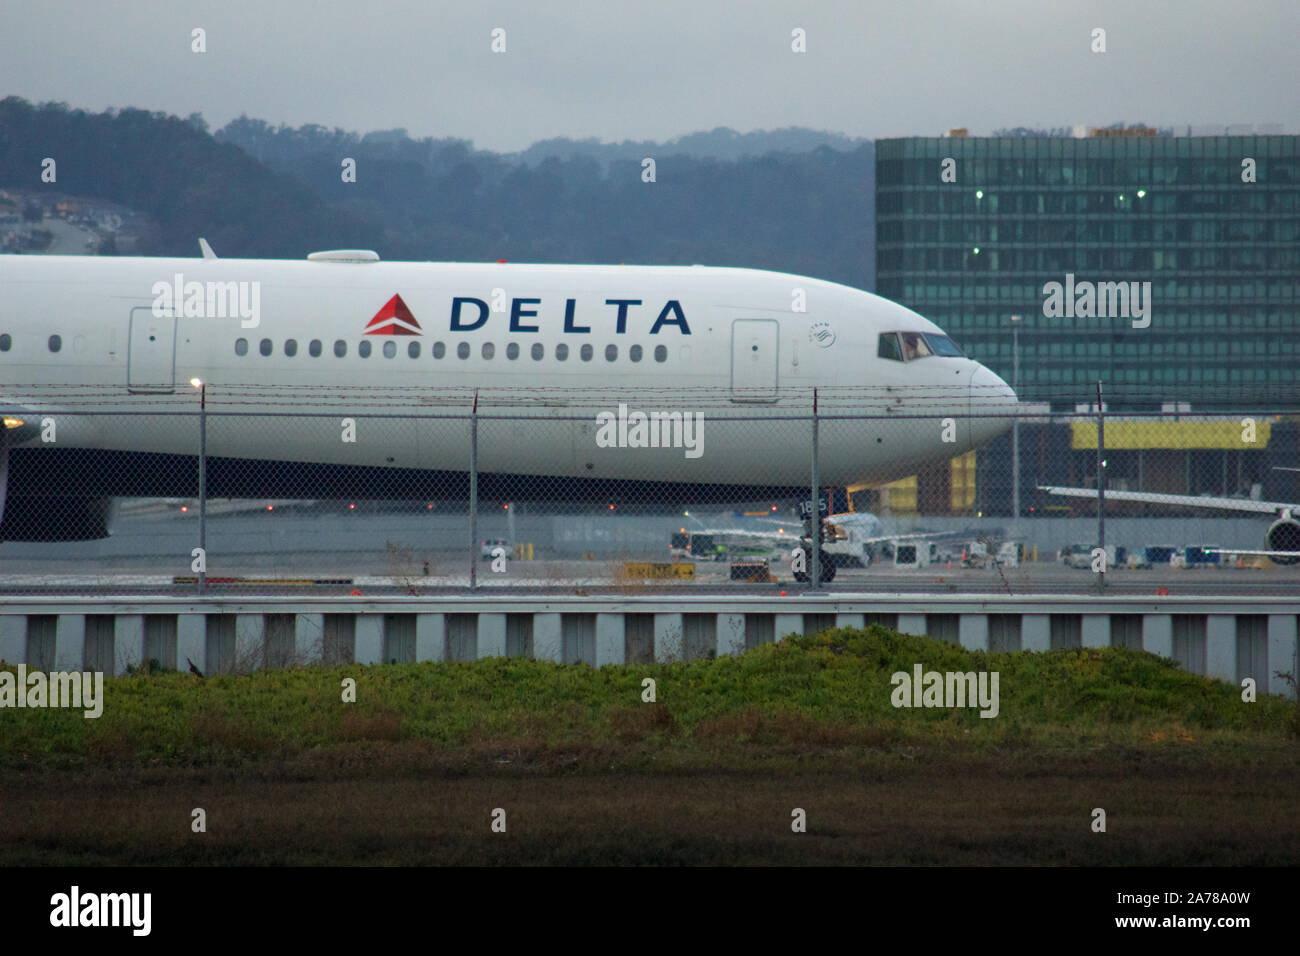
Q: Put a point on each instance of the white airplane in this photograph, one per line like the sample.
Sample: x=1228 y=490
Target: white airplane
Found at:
x=652 y=382
x=1281 y=540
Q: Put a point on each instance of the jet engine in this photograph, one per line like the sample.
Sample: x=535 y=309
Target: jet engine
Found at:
x=26 y=517
x=1284 y=535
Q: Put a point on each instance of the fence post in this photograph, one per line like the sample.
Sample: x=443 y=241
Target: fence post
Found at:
x=203 y=486
x=815 y=517
x=473 y=494
x=1101 y=488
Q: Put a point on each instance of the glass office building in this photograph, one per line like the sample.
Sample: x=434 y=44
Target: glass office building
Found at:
x=1149 y=263
x=1178 y=280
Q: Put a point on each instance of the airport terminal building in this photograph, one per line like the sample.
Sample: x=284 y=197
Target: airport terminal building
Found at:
x=1166 y=267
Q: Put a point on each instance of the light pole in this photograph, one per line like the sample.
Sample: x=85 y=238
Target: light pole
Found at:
x=1015 y=422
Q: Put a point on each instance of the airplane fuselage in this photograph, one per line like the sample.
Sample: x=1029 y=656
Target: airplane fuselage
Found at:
x=541 y=352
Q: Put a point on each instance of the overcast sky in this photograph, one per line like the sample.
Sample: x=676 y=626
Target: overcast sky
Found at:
x=656 y=69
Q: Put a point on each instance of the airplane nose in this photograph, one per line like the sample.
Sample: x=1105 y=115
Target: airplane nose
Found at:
x=993 y=405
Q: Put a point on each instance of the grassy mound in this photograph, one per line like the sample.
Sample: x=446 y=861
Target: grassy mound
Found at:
x=823 y=693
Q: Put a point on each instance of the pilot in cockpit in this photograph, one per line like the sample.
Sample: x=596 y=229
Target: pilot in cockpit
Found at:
x=913 y=346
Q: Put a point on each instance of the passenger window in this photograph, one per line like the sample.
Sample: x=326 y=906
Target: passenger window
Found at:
x=390 y=349
x=413 y=350
x=661 y=355
x=611 y=353
x=313 y=349
x=462 y=351
x=5 y=342
x=341 y=349
x=241 y=348
x=291 y=349
x=490 y=350
x=889 y=348
x=586 y=352
x=439 y=350
x=264 y=346
x=634 y=353
x=562 y=353
x=56 y=343
x=512 y=351
x=539 y=351
x=363 y=348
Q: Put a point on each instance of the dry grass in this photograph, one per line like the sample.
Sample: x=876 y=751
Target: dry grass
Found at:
x=407 y=804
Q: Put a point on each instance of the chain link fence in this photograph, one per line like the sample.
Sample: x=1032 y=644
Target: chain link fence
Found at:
x=256 y=489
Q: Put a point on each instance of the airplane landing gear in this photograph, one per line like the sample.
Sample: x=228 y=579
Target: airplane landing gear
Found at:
x=827 y=568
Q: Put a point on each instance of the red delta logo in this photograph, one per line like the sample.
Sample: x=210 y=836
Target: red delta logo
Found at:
x=393 y=319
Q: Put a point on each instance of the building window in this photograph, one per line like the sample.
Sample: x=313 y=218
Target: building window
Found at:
x=241 y=348
x=291 y=349
x=363 y=349
x=313 y=349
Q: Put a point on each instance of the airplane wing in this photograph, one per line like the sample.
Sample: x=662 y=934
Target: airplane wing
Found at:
x=866 y=520
x=1261 y=554
x=964 y=535
x=741 y=536
x=1183 y=501
x=844 y=519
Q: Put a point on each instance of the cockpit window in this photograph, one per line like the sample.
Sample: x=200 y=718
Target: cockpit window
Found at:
x=889 y=348
x=915 y=346
x=942 y=345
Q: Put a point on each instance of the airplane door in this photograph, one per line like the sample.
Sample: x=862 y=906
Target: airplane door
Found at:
x=754 y=360
x=151 y=352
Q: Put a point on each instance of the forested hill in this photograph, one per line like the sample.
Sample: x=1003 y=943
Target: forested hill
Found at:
x=190 y=184
x=284 y=144
x=256 y=190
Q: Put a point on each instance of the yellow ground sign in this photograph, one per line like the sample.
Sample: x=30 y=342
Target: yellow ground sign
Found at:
x=1221 y=434
x=658 y=569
